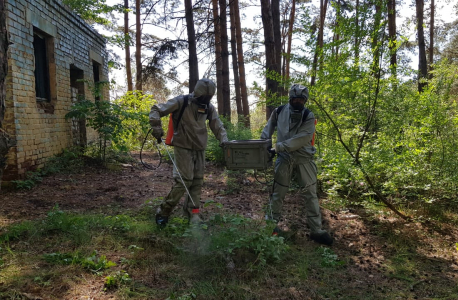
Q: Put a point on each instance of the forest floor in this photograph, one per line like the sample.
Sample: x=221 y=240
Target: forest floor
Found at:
x=375 y=255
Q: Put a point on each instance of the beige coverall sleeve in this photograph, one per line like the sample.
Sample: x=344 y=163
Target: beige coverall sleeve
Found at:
x=216 y=125
x=163 y=109
x=302 y=138
x=269 y=129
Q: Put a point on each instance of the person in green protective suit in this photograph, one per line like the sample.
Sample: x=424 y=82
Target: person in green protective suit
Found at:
x=295 y=127
x=189 y=142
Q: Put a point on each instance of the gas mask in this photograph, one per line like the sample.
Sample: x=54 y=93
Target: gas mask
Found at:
x=202 y=103
x=204 y=99
x=297 y=106
x=297 y=103
x=298 y=95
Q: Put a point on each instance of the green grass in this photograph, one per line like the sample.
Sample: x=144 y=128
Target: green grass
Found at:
x=230 y=257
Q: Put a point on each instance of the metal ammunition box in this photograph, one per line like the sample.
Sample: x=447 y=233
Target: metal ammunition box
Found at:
x=247 y=154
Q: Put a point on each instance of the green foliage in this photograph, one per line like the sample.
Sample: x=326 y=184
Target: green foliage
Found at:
x=329 y=258
x=76 y=227
x=277 y=99
x=229 y=254
x=107 y=119
x=373 y=125
x=187 y=296
x=94 y=262
x=119 y=223
x=138 y=106
x=233 y=234
x=177 y=227
x=28 y=183
x=117 y=279
x=228 y=236
x=92 y=10
x=408 y=151
x=69 y=160
x=17 y=231
x=234 y=132
x=232 y=181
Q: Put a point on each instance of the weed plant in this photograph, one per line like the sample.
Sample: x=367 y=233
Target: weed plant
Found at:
x=87 y=242
x=228 y=257
x=69 y=161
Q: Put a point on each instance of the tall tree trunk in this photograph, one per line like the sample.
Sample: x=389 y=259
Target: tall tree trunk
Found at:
x=235 y=67
x=431 y=40
x=193 y=63
x=5 y=142
x=392 y=34
x=3 y=60
x=226 y=91
x=271 y=65
x=357 y=38
x=241 y=64
x=375 y=39
x=127 y=46
x=218 y=61
x=138 y=45
x=320 y=43
x=290 y=37
x=422 y=64
x=336 y=36
x=275 y=6
x=284 y=42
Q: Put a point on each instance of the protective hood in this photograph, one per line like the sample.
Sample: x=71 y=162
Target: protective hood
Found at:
x=204 y=91
x=299 y=91
x=296 y=93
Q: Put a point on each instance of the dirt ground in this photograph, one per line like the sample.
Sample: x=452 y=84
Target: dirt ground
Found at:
x=362 y=239
x=128 y=186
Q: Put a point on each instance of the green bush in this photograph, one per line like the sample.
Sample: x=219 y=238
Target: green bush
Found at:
x=115 y=124
x=138 y=106
x=234 y=132
x=233 y=234
x=409 y=150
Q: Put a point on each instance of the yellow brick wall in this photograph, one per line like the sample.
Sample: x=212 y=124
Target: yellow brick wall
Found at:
x=40 y=131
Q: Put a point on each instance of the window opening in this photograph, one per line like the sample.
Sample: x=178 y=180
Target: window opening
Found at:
x=40 y=51
x=96 y=71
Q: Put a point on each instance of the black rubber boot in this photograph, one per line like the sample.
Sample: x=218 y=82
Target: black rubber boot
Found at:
x=161 y=220
x=277 y=231
x=322 y=238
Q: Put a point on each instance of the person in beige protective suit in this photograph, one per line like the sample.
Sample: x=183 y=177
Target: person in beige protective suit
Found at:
x=189 y=114
x=295 y=126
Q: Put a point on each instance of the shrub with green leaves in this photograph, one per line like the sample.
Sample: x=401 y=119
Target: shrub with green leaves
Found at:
x=233 y=233
x=234 y=132
x=106 y=118
x=329 y=258
x=138 y=106
x=408 y=151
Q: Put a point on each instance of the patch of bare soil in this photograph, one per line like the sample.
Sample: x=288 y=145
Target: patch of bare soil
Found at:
x=368 y=244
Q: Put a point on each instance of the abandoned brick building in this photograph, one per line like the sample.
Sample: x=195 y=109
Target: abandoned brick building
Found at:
x=51 y=50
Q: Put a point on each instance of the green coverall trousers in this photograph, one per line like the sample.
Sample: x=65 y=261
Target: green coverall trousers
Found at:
x=306 y=174
x=191 y=164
